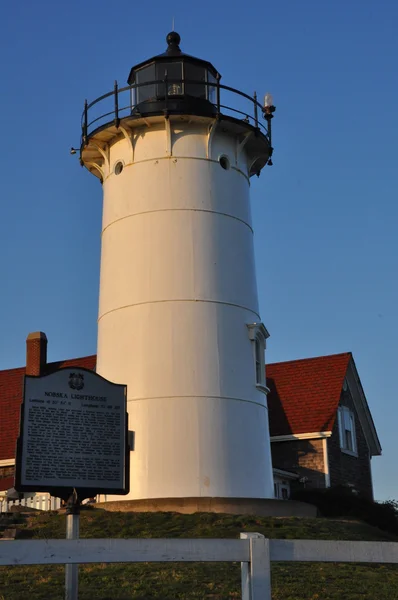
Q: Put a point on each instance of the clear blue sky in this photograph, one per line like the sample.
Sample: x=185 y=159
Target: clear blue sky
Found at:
x=325 y=214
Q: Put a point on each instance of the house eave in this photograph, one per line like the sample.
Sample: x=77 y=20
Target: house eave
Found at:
x=285 y=474
x=7 y=462
x=300 y=436
x=362 y=408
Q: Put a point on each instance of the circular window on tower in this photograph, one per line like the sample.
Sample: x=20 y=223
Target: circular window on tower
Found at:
x=118 y=168
x=224 y=162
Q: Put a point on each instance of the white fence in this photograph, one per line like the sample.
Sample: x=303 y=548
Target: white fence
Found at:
x=253 y=551
x=39 y=502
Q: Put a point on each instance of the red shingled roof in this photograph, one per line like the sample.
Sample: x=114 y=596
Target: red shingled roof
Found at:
x=11 y=385
x=6 y=483
x=304 y=394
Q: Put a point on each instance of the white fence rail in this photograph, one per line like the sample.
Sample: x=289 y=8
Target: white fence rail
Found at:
x=39 y=502
x=253 y=551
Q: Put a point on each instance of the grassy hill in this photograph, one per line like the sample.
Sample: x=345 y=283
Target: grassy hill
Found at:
x=217 y=581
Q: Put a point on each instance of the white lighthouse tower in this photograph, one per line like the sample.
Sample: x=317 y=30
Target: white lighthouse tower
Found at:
x=179 y=320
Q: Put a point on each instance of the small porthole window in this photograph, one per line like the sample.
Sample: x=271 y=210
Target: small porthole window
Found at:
x=224 y=162
x=118 y=167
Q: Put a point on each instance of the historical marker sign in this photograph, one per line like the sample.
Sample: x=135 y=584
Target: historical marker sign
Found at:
x=73 y=435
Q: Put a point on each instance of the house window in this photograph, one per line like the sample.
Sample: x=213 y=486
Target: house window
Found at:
x=258 y=335
x=346 y=418
x=281 y=489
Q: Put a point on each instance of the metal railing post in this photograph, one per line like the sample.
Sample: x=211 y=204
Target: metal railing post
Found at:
x=85 y=123
x=117 y=120
x=268 y=118
x=166 y=94
x=255 y=109
x=218 y=93
x=256 y=575
x=269 y=128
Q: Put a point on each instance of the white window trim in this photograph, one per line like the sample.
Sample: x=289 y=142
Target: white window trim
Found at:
x=300 y=436
x=342 y=413
x=259 y=334
x=281 y=484
x=349 y=452
x=284 y=474
x=326 y=462
x=7 y=462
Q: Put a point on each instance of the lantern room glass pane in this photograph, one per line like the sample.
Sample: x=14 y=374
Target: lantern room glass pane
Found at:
x=211 y=91
x=142 y=76
x=198 y=74
x=173 y=72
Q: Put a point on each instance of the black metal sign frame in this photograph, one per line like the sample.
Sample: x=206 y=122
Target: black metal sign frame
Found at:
x=65 y=492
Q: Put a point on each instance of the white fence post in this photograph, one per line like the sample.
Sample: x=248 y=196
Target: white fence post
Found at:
x=245 y=573
x=256 y=575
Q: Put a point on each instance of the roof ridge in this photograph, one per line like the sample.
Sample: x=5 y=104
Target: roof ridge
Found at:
x=297 y=360
x=62 y=360
x=53 y=362
x=13 y=370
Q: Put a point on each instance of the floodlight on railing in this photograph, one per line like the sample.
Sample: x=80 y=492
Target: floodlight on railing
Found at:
x=268 y=100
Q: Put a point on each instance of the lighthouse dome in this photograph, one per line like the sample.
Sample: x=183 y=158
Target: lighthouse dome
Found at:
x=173 y=81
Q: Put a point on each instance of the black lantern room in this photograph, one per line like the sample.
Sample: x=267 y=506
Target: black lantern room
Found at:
x=175 y=82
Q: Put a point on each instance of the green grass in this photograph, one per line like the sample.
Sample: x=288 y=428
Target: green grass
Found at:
x=169 y=581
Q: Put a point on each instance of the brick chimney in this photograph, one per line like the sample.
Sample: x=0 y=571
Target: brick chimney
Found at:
x=36 y=353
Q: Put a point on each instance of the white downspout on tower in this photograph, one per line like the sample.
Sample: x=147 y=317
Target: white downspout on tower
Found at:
x=179 y=320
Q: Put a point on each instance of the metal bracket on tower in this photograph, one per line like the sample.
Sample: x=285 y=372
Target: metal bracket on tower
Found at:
x=169 y=148
x=210 y=137
x=96 y=166
x=240 y=145
x=252 y=163
x=103 y=153
x=129 y=137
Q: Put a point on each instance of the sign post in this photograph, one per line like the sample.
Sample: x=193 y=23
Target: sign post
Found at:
x=72 y=533
x=73 y=443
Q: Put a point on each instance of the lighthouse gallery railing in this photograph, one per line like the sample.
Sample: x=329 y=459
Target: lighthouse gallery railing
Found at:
x=116 y=108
